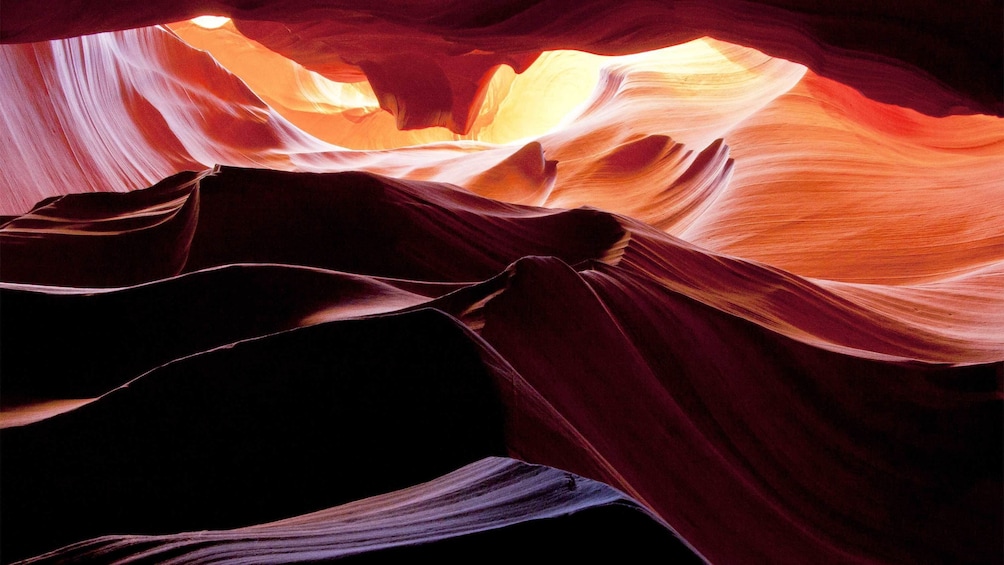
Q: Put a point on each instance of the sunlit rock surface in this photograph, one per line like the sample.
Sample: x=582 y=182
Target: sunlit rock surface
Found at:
x=728 y=287
x=892 y=196
x=164 y=107
x=920 y=54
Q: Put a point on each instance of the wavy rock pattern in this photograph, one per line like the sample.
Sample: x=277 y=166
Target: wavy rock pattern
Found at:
x=495 y=502
x=153 y=121
x=156 y=119
x=927 y=181
x=649 y=342
x=885 y=50
x=717 y=306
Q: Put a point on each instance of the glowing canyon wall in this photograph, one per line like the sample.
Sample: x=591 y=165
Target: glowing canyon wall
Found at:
x=715 y=282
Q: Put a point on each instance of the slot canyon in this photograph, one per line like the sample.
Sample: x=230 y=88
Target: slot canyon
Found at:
x=618 y=281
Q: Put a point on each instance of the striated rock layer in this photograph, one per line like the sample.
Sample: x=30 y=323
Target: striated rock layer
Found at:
x=496 y=506
x=762 y=415
x=887 y=50
x=717 y=305
x=174 y=108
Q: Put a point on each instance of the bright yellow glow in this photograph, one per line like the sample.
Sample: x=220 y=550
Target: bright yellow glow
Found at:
x=331 y=97
x=210 y=22
x=538 y=99
x=697 y=59
x=517 y=107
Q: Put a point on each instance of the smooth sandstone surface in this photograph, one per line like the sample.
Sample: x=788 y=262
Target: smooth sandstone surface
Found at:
x=709 y=282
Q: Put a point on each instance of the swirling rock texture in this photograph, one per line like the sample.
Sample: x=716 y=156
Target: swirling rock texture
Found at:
x=497 y=502
x=681 y=281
